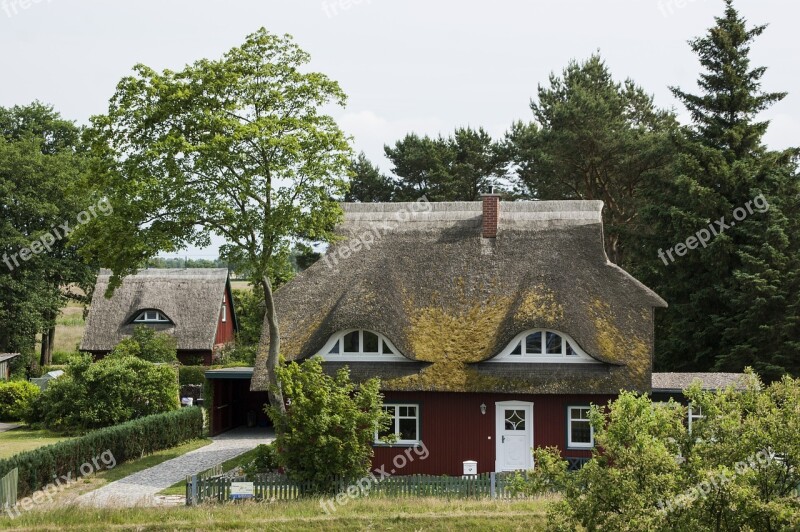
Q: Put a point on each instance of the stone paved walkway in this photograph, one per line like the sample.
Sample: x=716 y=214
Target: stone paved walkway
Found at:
x=140 y=489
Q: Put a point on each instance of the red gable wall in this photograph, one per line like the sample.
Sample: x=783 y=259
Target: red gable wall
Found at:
x=225 y=329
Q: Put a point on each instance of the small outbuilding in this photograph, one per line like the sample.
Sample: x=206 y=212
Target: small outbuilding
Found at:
x=5 y=365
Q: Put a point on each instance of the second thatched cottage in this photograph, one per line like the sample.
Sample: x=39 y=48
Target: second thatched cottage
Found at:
x=193 y=305
x=492 y=326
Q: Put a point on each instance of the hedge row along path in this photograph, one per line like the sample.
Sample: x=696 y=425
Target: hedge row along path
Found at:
x=140 y=488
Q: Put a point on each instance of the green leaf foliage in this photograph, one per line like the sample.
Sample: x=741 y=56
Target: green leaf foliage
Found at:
x=111 y=391
x=327 y=431
x=148 y=344
x=16 y=399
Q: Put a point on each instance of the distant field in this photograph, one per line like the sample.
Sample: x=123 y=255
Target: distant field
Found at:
x=240 y=285
x=69 y=328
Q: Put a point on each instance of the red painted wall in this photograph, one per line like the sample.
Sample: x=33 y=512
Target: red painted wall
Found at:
x=454 y=430
x=225 y=329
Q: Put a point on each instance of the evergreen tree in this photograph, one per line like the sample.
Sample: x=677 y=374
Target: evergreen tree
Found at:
x=593 y=138
x=733 y=300
x=367 y=183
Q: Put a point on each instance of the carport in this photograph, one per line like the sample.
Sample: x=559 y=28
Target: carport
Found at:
x=232 y=403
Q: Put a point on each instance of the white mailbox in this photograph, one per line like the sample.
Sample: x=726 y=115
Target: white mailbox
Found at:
x=470 y=467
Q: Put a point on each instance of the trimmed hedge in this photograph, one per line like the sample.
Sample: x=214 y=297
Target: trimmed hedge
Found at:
x=127 y=441
x=192 y=374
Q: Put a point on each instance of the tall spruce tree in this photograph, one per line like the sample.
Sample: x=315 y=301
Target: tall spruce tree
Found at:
x=733 y=300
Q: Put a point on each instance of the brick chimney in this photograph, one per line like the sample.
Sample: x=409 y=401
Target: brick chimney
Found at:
x=491 y=214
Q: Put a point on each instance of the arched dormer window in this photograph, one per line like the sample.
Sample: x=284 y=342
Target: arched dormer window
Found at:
x=542 y=345
x=359 y=345
x=151 y=316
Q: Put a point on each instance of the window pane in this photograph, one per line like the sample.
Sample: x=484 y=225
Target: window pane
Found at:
x=389 y=409
x=581 y=432
x=151 y=316
x=580 y=413
x=351 y=342
x=370 y=342
x=412 y=411
x=553 y=344
x=517 y=350
x=335 y=348
x=408 y=429
x=386 y=349
x=570 y=350
x=515 y=420
x=533 y=344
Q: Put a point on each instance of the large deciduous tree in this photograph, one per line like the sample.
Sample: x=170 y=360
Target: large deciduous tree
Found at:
x=735 y=301
x=237 y=147
x=593 y=138
x=42 y=176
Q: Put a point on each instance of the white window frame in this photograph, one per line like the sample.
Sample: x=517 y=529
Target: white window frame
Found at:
x=578 y=445
x=580 y=356
x=160 y=317
x=361 y=356
x=692 y=416
x=396 y=421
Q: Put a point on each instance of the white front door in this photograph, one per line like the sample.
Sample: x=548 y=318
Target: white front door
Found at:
x=514 y=435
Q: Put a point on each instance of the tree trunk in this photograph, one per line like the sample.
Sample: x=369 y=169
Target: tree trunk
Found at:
x=48 y=341
x=275 y=391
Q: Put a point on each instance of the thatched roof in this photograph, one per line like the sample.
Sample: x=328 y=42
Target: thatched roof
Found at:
x=451 y=299
x=191 y=298
x=677 y=382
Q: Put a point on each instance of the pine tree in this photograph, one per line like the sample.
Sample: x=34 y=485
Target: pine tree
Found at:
x=734 y=300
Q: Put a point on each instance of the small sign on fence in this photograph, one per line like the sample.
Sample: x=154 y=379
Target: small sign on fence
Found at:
x=242 y=490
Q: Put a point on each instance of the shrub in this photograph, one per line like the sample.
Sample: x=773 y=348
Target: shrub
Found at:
x=265 y=460
x=738 y=469
x=16 y=399
x=147 y=344
x=113 y=390
x=327 y=432
x=192 y=375
x=127 y=441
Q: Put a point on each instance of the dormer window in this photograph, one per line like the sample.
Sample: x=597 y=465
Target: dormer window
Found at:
x=541 y=345
x=359 y=345
x=151 y=316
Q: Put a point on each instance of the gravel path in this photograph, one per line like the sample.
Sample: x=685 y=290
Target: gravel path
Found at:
x=8 y=426
x=140 y=489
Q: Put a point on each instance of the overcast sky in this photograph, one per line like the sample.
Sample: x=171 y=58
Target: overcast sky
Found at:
x=422 y=66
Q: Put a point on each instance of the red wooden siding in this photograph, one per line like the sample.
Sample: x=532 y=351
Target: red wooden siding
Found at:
x=454 y=430
x=225 y=329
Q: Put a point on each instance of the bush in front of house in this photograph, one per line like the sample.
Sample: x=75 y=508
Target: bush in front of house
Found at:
x=113 y=390
x=738 y=469
x=264 y=461
x=16 y=399
x=328 y=428
x=147 y=344
x=125 y=442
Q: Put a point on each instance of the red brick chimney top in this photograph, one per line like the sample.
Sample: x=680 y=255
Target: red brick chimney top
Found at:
x=491 y=214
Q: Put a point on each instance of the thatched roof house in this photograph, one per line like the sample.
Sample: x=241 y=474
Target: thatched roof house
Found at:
x=492 y=326
x=193 y=305
x=450 y=299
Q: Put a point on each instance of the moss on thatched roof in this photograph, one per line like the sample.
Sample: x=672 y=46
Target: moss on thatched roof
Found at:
x=191 y=298
x=445 y=296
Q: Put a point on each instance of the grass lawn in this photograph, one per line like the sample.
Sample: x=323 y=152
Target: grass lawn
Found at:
x=379 y=513
x=233 y=463
x=25 y=439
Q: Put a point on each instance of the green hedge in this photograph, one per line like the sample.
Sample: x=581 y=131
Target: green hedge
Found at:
x=127 y=441
x=192 y=374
